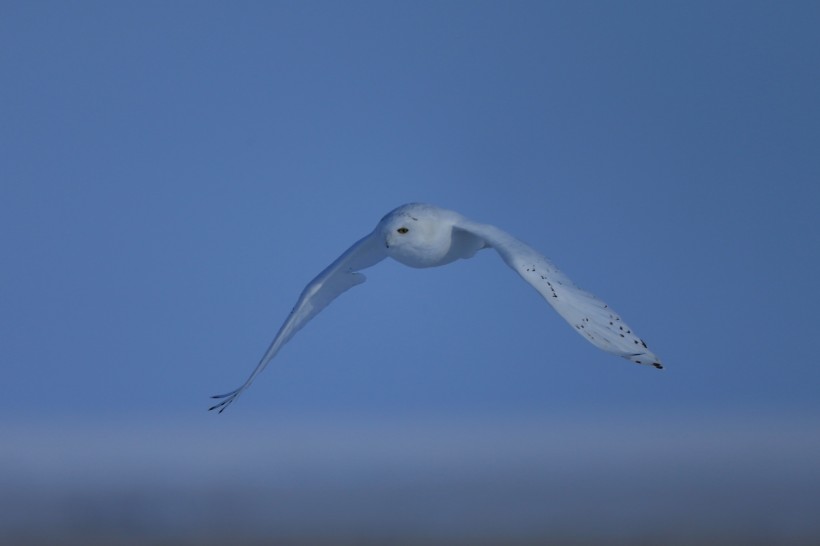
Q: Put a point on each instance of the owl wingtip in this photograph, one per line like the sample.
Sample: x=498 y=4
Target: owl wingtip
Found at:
x=641 y=358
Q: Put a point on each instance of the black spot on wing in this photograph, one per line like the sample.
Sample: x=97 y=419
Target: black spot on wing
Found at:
x=532 y=269
x=636 y=358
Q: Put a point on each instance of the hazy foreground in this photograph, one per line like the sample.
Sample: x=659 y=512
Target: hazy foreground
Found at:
x=576 y=481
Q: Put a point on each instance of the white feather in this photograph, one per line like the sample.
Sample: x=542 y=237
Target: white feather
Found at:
x=591 y=317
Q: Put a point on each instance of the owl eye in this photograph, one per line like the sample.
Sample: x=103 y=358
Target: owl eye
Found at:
x=402 y=230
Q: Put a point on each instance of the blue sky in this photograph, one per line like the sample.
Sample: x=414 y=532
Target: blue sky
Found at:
x=173 y=174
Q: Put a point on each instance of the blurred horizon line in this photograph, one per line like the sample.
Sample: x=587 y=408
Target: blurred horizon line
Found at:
x=736 y=475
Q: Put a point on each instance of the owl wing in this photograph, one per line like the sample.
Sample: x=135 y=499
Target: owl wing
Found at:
x=591 y=317
x=338 y=277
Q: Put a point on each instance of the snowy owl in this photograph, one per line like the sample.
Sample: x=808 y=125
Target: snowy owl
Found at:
x=422 y=235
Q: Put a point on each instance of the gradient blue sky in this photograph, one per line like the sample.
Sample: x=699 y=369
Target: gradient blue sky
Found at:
x=173 y=173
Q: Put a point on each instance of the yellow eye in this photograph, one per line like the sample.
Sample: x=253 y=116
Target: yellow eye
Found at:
x=402 y=230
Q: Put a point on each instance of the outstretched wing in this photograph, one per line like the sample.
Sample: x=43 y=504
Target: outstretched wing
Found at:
x=338 y=277
x=591 y=317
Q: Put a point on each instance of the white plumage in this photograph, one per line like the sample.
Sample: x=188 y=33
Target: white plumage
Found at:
x=422 y=235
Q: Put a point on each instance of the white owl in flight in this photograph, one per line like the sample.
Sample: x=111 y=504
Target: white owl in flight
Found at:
x=422 y=235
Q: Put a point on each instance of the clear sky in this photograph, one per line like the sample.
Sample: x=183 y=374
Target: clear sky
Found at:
x=173 y=173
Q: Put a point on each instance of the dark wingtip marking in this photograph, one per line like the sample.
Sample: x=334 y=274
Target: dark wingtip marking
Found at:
x=221 y=406
x=658 y=365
